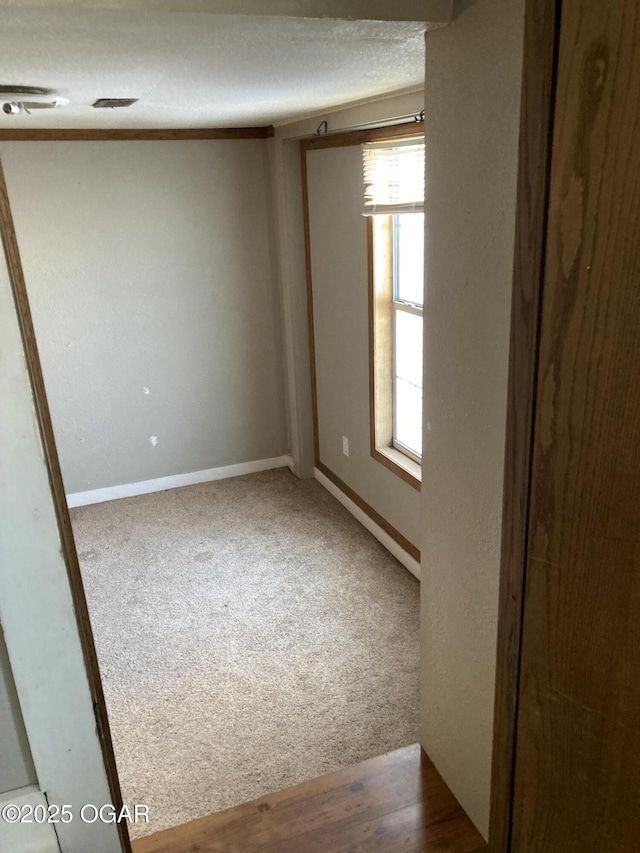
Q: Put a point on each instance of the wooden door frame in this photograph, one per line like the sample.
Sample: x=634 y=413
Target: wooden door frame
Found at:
x=536 y=126
x=541 y=38
x=52 y=464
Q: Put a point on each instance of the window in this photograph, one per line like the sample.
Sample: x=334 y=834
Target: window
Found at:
x=408 y=277
x=394 y=200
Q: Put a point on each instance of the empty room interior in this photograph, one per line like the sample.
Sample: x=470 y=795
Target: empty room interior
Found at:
x=221 y=224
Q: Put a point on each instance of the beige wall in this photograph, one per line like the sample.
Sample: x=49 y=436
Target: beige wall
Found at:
x=288 y=232
x=473 y=76
x=16 y=765
x=339 y=264
x=37 y=612
x=151 y=278
x=290 y=248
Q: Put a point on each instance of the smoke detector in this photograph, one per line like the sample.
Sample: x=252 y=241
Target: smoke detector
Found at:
x=112 y=103
x=18 y=99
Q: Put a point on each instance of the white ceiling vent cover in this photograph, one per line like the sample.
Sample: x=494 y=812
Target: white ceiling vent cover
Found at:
x=112 y=103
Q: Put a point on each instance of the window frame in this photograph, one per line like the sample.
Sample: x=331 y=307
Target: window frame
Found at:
x=382 y=305
x=407 y=307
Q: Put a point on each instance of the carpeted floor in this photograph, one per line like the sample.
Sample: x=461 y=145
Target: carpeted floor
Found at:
x=251 y=635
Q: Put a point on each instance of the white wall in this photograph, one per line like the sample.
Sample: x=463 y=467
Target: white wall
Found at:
x=339 y=267
x=16 y=765
x=473 y=78
x=151 y=277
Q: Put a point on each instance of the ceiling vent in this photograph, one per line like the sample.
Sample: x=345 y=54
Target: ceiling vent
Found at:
x=112 y=103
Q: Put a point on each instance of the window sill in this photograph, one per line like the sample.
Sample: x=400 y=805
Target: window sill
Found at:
x=403 y=466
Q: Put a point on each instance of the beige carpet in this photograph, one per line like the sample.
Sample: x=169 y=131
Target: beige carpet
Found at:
x=251 y=635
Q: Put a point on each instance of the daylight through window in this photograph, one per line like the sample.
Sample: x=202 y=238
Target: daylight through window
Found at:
x=394 y=203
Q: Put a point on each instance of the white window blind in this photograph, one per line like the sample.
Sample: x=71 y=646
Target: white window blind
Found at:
x=393 y=177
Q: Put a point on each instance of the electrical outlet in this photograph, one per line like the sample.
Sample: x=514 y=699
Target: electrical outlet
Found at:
x=345 y=445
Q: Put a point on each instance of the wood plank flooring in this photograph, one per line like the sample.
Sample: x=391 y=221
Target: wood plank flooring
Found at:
x=394 y=802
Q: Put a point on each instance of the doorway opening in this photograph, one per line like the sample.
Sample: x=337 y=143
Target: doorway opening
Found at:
x=250 y=633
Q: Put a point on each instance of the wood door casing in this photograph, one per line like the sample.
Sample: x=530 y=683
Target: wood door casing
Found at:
x=577 y=771
x=538 y=84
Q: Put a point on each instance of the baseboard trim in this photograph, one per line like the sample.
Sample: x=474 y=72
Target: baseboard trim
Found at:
x=176 y=481
x=403 y=556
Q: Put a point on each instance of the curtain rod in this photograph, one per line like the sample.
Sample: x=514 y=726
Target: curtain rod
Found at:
x=323 y=127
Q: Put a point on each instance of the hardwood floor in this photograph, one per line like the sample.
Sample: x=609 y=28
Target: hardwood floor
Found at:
x=394 y=802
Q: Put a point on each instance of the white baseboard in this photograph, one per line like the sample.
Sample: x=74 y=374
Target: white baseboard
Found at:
x=27 y=837
x=382 y=536
x=129 y=490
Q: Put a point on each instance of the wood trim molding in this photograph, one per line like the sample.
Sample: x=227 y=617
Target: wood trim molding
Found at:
x=338 y=140
x=380 y=347
x=312 y=341
x=131 y=134
x=407 y=130
x=410 y=563
x=398 y=131
x=397 y=469
x=536 y=130
x=43 y=417
x=375 y=516
x=380 y=283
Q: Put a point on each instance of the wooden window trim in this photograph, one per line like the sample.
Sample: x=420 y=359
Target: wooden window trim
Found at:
x=343 y=139
x=380 y=253
x=340 y=140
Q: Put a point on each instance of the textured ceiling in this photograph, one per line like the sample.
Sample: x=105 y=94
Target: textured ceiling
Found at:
x=434 y=11
x=201 y=70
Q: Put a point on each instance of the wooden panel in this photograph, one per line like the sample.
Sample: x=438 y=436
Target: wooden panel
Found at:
x=578 y=742
x=122 y=134
x=395 y=802
x=43 y=416
x=538 y=85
